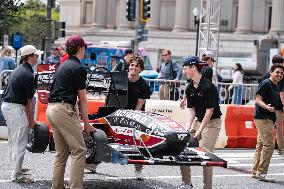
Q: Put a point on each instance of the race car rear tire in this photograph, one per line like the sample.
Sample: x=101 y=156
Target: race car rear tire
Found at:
x=38 y=139
x=96 y=138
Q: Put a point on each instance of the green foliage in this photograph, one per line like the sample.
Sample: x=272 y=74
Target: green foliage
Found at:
x=33 y=23
x=13 y=12
x=29 y=18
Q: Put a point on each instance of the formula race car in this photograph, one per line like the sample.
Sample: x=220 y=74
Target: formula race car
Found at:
x=126 y=136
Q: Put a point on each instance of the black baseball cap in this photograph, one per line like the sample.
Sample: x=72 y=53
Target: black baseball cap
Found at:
x=55 y=48
x=277 y=59
x=128 y=51
x=191 y=60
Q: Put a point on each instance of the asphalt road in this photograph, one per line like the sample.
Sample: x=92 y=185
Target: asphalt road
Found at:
x=110 y=176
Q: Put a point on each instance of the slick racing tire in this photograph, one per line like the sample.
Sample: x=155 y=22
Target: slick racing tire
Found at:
x=38 y=138
x=96 y=138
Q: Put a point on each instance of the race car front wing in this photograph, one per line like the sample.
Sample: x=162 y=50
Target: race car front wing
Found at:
x=128 y=154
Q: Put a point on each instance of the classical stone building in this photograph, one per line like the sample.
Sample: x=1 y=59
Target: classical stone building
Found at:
x=243 y=24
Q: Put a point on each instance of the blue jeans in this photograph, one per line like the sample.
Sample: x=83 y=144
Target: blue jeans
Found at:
x=237 y=94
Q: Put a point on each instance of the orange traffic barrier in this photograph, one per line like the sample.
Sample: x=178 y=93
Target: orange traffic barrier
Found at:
x=40 y=115
x=94 y=103
x=240 y=128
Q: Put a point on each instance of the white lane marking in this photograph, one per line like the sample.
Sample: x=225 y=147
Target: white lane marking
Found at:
x=251 y=158
x=157 y=177
x=197 y=176
x=231 y=161
x=250 y=164
x=242 y=155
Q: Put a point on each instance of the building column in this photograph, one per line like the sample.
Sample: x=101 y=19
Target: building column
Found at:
x=67 y=9
x=182 y=15
x=123 y=23
x=154 y=20
x=100 y=10
x=277 y=23
x=244 y=16
x=111 y=12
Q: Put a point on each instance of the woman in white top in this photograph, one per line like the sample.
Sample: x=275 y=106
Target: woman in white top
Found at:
x=237 y=79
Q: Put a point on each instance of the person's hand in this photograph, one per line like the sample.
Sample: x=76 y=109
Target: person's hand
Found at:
x=197 y=134
x=88 y=129
x=176 y=81
x=32 y=124
x=182 y=104
x=270 y=108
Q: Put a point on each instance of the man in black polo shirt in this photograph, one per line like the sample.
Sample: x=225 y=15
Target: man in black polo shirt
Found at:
x=17 y=108
x=69 y=82
x=277 y=59
x=202 y=101
x=267 y=99
x=206 y=72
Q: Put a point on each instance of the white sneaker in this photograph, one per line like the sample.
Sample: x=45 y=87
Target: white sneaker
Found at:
x=139 y=175
x=264 y=177
x=185 y=186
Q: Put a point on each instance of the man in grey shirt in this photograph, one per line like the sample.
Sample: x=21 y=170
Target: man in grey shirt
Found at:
x=170 y=70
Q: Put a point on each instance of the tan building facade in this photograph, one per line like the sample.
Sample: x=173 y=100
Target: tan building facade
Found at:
x=172 y=26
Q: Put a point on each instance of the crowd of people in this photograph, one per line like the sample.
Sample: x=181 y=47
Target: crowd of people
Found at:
x=67 y=105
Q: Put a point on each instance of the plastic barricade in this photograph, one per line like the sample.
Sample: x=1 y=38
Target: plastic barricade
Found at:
x=93 y=106
x=240 y=128
x=168 y=108
x=94 y=103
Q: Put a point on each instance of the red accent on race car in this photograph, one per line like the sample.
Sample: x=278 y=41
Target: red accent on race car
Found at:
x=201 y=149
x=212 y=163
x=143 y=162
x=151 y=141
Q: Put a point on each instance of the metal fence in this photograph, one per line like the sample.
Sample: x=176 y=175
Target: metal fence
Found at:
x=4 y=78
x=239 y=94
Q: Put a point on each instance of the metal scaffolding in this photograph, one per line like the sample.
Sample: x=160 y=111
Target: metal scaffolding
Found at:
x=209 y=26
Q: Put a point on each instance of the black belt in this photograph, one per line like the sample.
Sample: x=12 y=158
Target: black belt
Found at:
x=60 y=101
x=8 y=101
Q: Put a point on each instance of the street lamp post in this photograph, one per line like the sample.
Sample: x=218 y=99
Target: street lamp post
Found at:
x=48 y=29
x=196 y=22
x=5 y=33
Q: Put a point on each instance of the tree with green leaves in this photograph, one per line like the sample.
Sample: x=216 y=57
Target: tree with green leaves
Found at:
x=30 y=20
x=13 y=15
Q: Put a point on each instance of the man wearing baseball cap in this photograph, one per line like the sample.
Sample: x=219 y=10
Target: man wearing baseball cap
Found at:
x=69 y=84
x=55 y=57
x=208 y=57
x=17 y=108
x=202 y=101
x=122 y=65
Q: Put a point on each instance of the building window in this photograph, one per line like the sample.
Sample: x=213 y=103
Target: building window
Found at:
x=269 y=17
